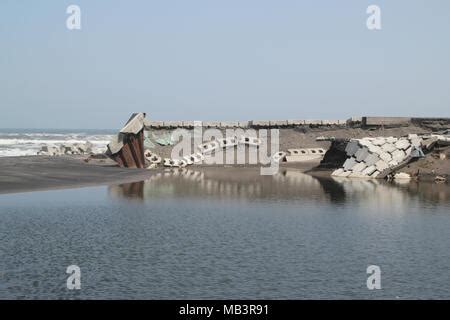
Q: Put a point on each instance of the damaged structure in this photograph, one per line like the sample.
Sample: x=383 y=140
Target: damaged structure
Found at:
x=127 y=148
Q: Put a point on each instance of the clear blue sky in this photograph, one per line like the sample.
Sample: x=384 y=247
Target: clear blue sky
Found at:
x=220 y=60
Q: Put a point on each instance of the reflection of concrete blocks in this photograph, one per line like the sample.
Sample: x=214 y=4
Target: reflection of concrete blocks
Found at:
x=362 y=154
x=208 y=147
x=359 y=167
x=398 y=155
x=188 y=159
x=196 y=157
x=296 y=122
x=369 y=170
x=352 y=147
x=349 y=163
x=278 y=123
x=402 y=144
x=381 y=165
x=385 y=156
x=388 y=147
x=371 y=159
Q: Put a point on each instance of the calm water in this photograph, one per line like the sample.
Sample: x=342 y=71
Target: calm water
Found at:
x=224 y=235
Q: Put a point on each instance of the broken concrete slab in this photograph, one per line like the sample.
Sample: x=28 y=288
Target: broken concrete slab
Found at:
x=135 y=124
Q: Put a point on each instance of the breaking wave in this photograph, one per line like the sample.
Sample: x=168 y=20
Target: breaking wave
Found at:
x=22 y=142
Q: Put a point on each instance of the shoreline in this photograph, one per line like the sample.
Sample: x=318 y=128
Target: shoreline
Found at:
x=43 y=173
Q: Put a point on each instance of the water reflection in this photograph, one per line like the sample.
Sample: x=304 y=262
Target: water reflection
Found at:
x=288 y=184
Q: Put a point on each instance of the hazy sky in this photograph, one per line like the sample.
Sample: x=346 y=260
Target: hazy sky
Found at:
x=220 y=60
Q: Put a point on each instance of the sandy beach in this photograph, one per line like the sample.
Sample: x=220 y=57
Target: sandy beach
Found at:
x=34 y=173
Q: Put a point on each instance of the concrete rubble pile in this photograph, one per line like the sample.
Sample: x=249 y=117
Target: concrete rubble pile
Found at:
x=66 y=148
x=377 y=157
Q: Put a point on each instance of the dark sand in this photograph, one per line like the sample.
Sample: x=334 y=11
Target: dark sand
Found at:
x=33 y=173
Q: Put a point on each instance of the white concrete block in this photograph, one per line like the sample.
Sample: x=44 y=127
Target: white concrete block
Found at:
x=393 y=163
x=388 y=147
x=362 y=154
x=379 y=141
x=352 y=147
x=398 y=155
x=371 y=159
x=375 y=174
x=391 y=140
x=279 y=156
x=369 y=170
x=229 y=142
x=374 y=149
x=381 y=165
x=385 y=156
x=349 y=163
x=251 y=141
x=402 y=144
x=337 y=172
x=208 y=147
x=359 y=167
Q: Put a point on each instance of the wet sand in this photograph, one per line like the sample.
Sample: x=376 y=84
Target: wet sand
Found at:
x=34 y=173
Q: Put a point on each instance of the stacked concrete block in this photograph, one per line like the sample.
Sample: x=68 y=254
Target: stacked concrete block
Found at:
x=375 y=157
